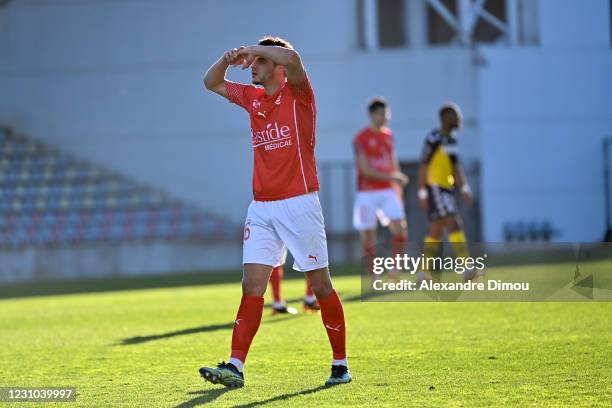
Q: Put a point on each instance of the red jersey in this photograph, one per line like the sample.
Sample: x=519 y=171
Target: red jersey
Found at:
x=378 y=149
x=283 y=138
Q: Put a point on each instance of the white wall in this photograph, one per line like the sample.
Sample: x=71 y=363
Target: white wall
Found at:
x=543 y=114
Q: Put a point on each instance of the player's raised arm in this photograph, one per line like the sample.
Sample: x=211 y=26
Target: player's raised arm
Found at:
x=287 y=57
x=214 y=79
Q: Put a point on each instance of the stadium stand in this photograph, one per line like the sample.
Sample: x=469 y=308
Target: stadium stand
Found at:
x=48 y=198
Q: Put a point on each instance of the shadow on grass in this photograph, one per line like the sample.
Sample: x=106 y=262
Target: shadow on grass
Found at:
x=179 y=279
x=282 y=397
x=193 y=330
x=361 y=297
x=348 y=299
x=229 y=325
x=204 y=397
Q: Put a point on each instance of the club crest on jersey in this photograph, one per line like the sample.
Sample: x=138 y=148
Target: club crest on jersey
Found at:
x=256 y=104
x=278 y=99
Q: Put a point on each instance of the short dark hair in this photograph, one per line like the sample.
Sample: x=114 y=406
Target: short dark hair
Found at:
x=447 y=108
x=277 y=41
x=377 y=103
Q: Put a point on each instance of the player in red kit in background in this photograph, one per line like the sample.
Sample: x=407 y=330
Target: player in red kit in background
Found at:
x=378 y=173
x=279 y=306
x=285 y=212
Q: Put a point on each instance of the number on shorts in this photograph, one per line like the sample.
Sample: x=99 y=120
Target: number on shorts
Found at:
x=247 y=231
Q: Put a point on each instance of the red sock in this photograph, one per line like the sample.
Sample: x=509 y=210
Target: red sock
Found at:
x=333 y=319
x=309 y=291
x=275 y=280
x=369 y=253
x=398 y=244
x=246 y=325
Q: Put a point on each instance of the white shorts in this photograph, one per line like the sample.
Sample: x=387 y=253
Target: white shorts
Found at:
x=296 y=224
x=382 y=205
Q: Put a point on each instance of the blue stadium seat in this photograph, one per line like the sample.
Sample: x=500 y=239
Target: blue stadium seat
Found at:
x=49 y=198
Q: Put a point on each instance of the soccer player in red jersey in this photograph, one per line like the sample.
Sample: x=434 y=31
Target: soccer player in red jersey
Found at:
x=285 y=212
x=378 y=175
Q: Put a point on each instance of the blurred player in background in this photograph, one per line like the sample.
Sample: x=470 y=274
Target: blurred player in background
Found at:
x=378 y=175
x=285 y=212
x=440 y=172
x=279 y=306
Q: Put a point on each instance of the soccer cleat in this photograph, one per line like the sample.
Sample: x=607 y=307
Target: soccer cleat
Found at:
x=339 y=375
x=311 y=306
x=283 y=310
x=225 y=373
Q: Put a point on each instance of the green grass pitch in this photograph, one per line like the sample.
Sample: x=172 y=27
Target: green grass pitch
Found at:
x=142 y=348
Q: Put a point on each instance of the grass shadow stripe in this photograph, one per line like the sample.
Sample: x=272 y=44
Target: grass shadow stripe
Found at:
x=283 y=397
x=193 y=330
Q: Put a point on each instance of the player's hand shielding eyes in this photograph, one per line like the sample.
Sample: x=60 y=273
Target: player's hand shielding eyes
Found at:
x=232 y=56
x=245 y=57
x=239 y=56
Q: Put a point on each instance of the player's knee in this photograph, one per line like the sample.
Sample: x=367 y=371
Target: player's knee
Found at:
x=368 y=237
x=400 y=235
x=369 y=249
x=453 y=224
x=252 y=287
x=437 y=226
x=320 y=283
x=399 y=229
x=322 y=289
